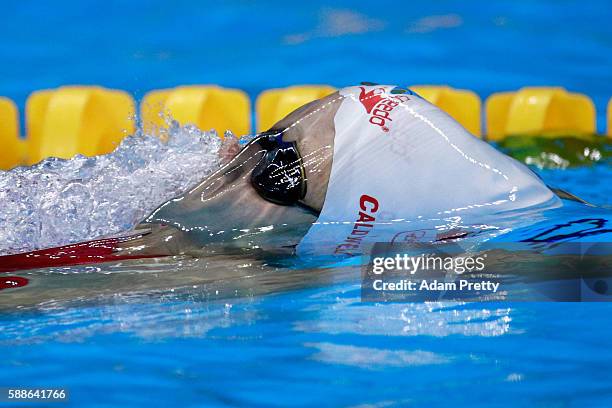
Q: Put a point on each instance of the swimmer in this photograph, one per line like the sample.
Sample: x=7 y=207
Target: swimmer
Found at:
x=365 y=164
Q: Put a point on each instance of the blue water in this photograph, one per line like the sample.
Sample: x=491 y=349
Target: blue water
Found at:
x=318 y=345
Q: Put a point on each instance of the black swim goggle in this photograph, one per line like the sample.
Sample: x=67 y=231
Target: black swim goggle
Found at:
x=279 y=177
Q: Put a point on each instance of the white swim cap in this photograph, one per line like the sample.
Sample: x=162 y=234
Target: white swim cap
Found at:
x=401 y=167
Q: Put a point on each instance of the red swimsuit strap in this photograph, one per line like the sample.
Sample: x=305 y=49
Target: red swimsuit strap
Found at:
x=103 y=250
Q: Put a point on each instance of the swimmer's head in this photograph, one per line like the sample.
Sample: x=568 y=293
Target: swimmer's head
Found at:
x=387 y=143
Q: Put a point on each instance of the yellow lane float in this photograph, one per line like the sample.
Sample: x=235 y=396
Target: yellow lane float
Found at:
x=539 y=110
x=610 y=118
x=274 y=104
x=71 y=120
x=207 y=107
x=11 y=146
x=463 y=105
x=93 y=120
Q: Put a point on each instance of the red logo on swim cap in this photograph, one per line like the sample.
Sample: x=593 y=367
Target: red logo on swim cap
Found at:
x=370 y=99
x=378 y=104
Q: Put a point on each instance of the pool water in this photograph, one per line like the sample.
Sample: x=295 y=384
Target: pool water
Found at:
x=231 y=332
x=265 y=338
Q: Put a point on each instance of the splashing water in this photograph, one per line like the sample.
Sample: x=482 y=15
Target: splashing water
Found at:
x=59 y=201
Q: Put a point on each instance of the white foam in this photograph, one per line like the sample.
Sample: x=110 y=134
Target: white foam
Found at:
x=58 y=201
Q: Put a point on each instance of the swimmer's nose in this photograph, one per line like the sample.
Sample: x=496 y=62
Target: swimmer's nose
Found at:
x=230 y=147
